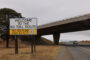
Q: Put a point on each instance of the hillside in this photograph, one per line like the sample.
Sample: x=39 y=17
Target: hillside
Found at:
x=21 y=43
x=46 y=41
x=42 y=41
x=85 y=42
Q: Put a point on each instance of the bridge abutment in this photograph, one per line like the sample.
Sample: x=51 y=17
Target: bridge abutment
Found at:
x=56 y=37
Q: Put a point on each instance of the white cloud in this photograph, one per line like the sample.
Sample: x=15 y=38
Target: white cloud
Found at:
x=50 y=10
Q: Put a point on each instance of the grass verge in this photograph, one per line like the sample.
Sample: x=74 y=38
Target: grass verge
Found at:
x=42 y=53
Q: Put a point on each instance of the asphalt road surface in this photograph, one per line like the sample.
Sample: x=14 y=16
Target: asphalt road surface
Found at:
x=79 y=53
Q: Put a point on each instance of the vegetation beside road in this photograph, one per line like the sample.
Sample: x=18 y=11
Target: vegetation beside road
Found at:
x=42 y=53
x=85 y=42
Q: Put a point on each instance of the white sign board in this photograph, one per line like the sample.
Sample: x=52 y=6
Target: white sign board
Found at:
x=23 y=26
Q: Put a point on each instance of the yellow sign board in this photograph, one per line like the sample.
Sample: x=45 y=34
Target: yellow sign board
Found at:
x=22 y=31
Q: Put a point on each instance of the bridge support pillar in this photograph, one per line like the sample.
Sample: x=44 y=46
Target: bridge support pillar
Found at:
x=56 y=37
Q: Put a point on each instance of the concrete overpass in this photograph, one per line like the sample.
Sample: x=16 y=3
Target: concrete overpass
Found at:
x=69 y=25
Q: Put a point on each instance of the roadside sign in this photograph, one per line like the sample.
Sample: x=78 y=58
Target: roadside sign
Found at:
x=23 y=26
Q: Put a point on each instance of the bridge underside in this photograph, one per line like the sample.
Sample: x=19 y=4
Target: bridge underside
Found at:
x=70 y=27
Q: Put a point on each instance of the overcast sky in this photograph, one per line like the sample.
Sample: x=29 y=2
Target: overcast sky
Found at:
x=48 y=11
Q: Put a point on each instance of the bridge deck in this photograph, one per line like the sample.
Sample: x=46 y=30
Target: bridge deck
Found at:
x=68 y=25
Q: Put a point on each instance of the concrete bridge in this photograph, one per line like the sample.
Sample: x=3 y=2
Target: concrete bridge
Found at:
x=69 y=25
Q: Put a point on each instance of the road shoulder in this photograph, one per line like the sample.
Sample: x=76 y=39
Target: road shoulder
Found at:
x=64 y=54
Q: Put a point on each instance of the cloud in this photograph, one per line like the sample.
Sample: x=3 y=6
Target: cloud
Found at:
x=48 y=11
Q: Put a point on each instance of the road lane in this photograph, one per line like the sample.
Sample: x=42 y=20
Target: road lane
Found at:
x=87 y=47
x=79 y=53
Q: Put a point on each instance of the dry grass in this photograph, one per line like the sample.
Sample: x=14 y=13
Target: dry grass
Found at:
x=85 y=42
x=42 y=53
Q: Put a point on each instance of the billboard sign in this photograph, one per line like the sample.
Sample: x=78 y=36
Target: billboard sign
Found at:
x=23 y=26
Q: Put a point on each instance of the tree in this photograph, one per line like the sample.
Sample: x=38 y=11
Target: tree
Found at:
x=5 y=15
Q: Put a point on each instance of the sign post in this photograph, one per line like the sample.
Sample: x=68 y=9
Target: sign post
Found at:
x=23 y=26
x=34 y=45
x=16 y=45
